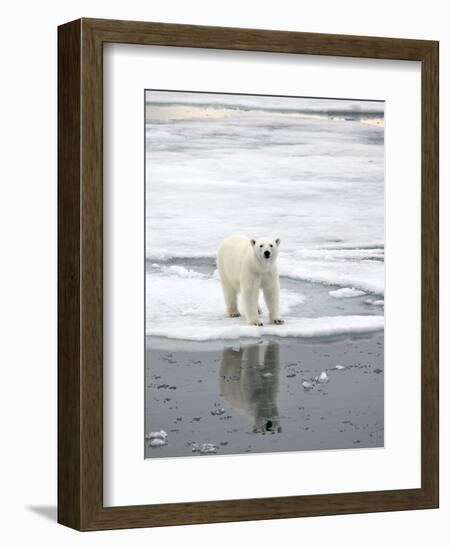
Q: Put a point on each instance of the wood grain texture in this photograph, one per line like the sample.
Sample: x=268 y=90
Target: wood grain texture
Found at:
x=69 y=244
x=430 y=273
x=91 y=267
x=80 y=265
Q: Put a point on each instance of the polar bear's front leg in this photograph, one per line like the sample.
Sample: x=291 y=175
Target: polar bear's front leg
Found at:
x=230 y=300
x=250 y=296
x=229 y=294
x=271 y=292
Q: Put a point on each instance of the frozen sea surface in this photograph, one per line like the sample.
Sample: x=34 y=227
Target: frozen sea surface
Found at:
x=310 y=172
x=186 y=303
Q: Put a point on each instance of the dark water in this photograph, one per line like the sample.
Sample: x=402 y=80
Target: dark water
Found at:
x=253 y=398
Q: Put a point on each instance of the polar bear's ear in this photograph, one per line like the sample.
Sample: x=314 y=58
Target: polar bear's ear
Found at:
x=277 y=242
x=252 y=242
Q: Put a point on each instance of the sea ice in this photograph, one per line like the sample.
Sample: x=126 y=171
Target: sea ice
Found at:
x=182 y=272
x=346 y=293
x=153 y=435
x=368 y=276
x=374 y=302
x=157 y=439
x=191 y=204
x=210 y=326
x=323 y=377
x=208 y=448
x=156 y=442
x=204 y=448
x=190 y=307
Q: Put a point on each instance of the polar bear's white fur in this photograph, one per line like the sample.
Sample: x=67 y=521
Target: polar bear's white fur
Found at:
x=254 y=391
x=248 y=265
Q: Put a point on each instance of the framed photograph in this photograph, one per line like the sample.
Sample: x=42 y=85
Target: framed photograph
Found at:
x=248 y=274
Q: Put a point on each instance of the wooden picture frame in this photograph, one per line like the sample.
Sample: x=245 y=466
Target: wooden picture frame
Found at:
x=80 y=273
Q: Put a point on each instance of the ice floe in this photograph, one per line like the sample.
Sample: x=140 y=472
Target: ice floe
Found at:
x=191 y=307
x=204 y=448
x=323 y=377
x=374 y=302
x=346 y=293
x=220 y=328
x=157 y=439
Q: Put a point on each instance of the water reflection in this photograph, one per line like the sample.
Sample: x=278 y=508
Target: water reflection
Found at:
x=251 y=386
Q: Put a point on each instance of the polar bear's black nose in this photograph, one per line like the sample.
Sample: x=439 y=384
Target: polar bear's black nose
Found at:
x=267 y=254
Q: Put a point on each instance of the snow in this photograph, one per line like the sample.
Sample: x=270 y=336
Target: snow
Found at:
x=185 y=300
x=304 y=170
x=315 y=183
x=185 y=304
x=367 y=276
x=228 y=329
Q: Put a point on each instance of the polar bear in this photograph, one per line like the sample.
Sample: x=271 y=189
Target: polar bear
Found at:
x=251 y=386
x=248 y=265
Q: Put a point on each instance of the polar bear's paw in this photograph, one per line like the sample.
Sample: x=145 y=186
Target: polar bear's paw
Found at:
x=256 y=323
x=278 y=321
x=234 y=314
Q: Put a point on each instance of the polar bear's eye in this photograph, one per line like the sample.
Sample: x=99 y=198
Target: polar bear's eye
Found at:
x=271 y=245
x=260 y=246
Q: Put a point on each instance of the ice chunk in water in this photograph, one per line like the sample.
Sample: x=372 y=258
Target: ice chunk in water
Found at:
x=323 y=377
x=218 y=411
x=156 y=442
x=208 y=449
x=374 y=302
x=204 y=448
x=346 y=293
x=157 y=439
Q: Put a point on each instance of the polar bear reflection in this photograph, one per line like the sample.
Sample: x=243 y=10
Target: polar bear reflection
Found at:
x=252 y=386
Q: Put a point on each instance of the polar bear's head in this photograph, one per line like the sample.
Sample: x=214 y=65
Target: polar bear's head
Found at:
x=266 y=249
